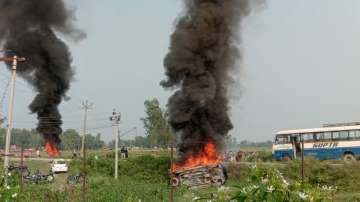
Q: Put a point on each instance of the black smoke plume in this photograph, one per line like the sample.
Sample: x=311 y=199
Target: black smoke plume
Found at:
x=28 y=28
x=199 y=64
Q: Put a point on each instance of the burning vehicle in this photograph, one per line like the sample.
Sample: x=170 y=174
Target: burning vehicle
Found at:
x=199 y=68
x=200 y=176
x=202 y=169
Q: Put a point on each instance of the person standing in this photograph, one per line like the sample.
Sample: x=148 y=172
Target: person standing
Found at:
x=126 y=153
x=38 y=152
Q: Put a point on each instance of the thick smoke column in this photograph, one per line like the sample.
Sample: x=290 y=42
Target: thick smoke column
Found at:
x=28 y=28
x=199 y=63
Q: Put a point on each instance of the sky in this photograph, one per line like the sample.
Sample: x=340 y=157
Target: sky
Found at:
x=300 y=66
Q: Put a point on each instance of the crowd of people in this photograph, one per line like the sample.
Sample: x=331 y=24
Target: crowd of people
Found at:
x=231 y=156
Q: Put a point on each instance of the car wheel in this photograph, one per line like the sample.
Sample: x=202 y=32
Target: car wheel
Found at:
x=174 y=182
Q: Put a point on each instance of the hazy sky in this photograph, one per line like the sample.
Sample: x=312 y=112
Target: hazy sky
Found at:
x=300 y=67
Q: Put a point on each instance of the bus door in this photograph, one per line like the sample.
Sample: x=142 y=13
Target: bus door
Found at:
x=296 y=144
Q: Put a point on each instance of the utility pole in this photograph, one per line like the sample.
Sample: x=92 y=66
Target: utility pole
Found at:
x=171 y=196
x=302 y=160
x=115 y=119
x=22 y=168
x=15 y=59
x=86 y=106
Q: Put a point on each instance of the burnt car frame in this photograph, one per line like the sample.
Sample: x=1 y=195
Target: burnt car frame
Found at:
x=199 y=176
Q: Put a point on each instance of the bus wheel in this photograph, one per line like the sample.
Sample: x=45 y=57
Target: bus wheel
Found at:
x=349 y=157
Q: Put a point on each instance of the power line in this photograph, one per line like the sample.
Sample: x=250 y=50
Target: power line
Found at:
x=101 y=127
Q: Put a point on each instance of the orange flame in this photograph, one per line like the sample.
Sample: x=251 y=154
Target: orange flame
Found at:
x=207 y=156
x=51 y=148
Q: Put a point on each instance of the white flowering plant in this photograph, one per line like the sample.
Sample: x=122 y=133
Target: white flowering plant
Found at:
x=9 y=191
x=268 y=184
x=220 y=194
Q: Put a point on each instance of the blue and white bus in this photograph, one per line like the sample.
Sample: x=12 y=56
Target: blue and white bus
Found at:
x=331 y=142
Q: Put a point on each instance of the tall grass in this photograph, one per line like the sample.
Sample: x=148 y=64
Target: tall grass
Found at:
x=140 y=178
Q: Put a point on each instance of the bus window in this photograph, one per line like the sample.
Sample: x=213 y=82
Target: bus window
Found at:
x=351 y=134
x=281 y=139
x=344 y=135
x=354 y=134
x=357 y=134
x=314 y=137
x=335 y=135
x=308 y=137
x=318 y=136
x=326 y=136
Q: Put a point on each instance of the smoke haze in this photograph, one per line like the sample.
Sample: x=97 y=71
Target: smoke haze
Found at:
x=29 y=29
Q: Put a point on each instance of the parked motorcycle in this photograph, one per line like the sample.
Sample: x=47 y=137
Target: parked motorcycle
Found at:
x=39 y=178
x=17 y=169
x=75 y=178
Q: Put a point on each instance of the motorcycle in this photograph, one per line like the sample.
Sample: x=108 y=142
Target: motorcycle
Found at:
x=18 y=169
x=75 y=178
x=39 y=178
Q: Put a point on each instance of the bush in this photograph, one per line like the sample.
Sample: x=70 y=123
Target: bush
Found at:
x=126 y=189
x=238 y=172
x=145 y=168
x=265 y=156
x=10 y=191
x=344 y=176
x=101 y=189
x=268 y=184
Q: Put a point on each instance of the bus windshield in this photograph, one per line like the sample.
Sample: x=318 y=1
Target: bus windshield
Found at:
x=282 y=139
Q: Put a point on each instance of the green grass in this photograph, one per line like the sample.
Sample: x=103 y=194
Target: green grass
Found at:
x=144 y=177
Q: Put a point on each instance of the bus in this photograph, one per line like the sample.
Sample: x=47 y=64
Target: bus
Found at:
x=331 y=142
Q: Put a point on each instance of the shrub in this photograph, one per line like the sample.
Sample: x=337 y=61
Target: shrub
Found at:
x=344 y=176
x=9 y=192
x=265 y=156
x=145 y=168
x=268 y=184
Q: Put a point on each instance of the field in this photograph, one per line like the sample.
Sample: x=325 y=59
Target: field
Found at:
x=144 y=177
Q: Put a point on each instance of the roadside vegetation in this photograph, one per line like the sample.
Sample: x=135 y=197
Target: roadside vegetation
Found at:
x=144 y=177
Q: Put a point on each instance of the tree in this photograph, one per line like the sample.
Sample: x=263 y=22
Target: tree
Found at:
x=141 y=141
x=156 y=125
x=71 y=140
x=93 y=142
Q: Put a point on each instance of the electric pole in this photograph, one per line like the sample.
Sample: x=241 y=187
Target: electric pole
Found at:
x=115 y=119
x=15 y=59
x=86 y=106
